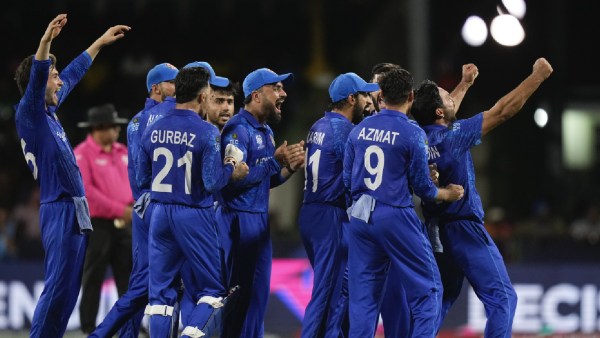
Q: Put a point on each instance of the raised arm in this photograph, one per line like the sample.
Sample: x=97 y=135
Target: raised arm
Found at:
x=113 y=34
x=469 y=73
x=54 y=28
x=510 y=104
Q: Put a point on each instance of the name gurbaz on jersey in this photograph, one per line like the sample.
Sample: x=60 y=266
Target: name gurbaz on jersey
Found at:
x=172 y=137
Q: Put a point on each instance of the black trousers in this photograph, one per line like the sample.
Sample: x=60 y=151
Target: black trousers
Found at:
x=107 y=246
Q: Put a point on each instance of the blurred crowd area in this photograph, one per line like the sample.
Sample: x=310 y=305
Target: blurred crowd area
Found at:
x=544 y=236
x=536 y=209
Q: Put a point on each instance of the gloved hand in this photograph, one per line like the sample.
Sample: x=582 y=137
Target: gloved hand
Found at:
x=233 y=155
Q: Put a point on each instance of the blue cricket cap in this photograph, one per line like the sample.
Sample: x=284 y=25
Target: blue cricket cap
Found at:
x=214 y=80
x=160 y=73
x=261 y=77
x=347 y=84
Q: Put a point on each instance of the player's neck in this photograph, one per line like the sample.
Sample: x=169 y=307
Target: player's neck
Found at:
x=347 y=113
x=192 y=105
x=442 y=122
x=403 y=108
x=256 y=112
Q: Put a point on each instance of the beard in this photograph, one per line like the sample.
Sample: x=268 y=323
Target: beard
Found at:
x=358 y=114
x=271 y=112
x=448 y=116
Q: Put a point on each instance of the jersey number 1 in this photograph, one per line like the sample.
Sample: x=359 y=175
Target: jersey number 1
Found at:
x=313 y=163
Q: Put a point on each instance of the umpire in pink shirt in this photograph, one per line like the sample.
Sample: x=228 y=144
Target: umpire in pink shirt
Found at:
x=103 y=164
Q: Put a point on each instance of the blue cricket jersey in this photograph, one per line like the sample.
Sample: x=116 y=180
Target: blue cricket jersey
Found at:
x=256 y=141
x=134 y=134
x=153 y=110
x=47 y=150
x=449 y=149
x=181 y=160
x=325 y=146
x=388 y=148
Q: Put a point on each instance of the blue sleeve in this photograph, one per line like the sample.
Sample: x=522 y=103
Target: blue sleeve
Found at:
x=32 y=108
x=465 y=134
x=341 y=139
x=418 y=171
x=238 y=136
x=133 y=149
x=341 y=129
x=348 y=162
x=214 y=175
x=143 y=172
x=72 y=74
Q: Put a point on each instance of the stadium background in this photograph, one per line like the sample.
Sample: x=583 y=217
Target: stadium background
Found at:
x=532 y=195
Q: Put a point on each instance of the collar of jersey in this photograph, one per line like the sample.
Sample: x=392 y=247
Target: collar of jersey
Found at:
x=334 y=114
x=393 y=113
x=434 y=126
x=250 y=118
x=184 y=112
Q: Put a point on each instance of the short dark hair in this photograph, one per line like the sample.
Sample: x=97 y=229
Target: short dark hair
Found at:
x=396 y=86
x=189 y=82
x=23 y=72
x=382 y=68
x=232 y=89
x=427 y=100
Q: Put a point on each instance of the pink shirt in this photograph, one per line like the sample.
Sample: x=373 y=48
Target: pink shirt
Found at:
x=104 y=178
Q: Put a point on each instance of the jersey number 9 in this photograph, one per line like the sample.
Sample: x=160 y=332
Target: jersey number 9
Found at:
x=377 y=171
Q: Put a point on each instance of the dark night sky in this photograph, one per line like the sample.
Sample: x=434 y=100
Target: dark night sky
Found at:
x=237 y=37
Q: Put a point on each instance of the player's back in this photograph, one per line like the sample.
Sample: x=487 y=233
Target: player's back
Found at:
x=325 y=145
x=389 y=157
x=177 y=145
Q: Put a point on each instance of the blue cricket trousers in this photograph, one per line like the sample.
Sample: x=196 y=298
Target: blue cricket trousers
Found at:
x=393 y=236
x=128 y=311
x=251 y=255
x=470 y=251
x=63 y=264
x=181 y=234
x=321 y=228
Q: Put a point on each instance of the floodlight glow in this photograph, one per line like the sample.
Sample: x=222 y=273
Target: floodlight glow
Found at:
x=540 y=117
x=507 y=30
x=516 y=8
x=474 y=31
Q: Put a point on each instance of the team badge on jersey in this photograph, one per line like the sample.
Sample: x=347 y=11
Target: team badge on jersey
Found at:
x=259 y=140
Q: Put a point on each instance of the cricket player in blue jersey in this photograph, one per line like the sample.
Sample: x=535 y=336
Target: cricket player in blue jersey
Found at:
x=64 y=213
x=386 y=158
x=394 y=309
x=323 y=213
x=376 y=72
x=467 y=250
x=217 y=83
x=128 y=311
x=243 y=214
x=181 y=160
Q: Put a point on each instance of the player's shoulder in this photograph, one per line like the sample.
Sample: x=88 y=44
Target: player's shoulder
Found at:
x=236 y=125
